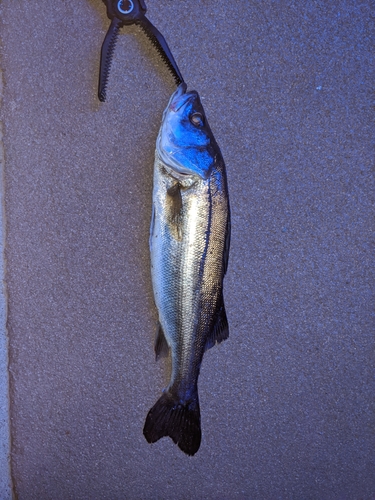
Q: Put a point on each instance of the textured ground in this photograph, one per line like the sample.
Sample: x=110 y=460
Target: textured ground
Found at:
x=288 y=401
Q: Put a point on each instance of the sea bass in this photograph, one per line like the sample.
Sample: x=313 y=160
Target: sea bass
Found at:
x=189 y=244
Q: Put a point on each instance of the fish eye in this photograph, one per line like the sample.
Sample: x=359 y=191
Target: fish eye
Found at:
x=197 y=119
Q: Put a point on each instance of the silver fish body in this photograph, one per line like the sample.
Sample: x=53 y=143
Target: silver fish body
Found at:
x=189 y=243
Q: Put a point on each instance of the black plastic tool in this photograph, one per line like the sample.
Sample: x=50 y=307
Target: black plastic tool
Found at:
x=126 y=12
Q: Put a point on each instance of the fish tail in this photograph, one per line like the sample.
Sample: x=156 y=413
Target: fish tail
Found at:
x=181 y=422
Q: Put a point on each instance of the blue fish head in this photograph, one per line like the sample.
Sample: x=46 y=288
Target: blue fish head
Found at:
x=185 y=142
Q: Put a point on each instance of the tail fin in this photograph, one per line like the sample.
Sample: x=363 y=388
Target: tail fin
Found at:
x=181 y=422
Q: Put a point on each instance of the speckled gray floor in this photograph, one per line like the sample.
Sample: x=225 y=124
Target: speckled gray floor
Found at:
x=288 y=401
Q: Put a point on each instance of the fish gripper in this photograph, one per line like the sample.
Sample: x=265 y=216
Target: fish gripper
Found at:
x=123 y=13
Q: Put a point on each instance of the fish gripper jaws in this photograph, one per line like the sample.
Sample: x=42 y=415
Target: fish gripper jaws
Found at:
x=127 y=12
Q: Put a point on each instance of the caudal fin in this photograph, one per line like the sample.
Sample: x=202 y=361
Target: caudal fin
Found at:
x=180 y=422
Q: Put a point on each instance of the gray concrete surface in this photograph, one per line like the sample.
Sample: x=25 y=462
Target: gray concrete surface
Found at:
x=288 y=401
x=5 y=475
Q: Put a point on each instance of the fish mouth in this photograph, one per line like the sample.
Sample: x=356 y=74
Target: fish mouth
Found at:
x=180 y=97
x=177 y=100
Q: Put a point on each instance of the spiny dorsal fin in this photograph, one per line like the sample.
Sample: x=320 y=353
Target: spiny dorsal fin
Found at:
x=227 y=243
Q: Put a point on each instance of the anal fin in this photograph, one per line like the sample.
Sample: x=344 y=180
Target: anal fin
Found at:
x=161 y=344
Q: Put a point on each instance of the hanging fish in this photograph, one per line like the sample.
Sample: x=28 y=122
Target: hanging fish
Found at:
x=189 y=244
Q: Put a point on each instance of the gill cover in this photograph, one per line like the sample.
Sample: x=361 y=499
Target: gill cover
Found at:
x=185 y=142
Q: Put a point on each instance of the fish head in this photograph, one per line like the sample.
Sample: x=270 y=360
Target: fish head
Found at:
x=185 y=142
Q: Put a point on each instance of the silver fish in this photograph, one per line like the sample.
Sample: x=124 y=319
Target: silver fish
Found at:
x=189 y=243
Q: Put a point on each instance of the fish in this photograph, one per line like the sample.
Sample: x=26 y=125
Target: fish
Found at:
x=189 y=247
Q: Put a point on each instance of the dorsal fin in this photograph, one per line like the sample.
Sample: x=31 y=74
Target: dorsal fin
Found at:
x=227 y=244
x=220 y=330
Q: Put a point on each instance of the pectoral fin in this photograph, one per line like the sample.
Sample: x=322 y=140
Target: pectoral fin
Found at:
x=174 y=204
